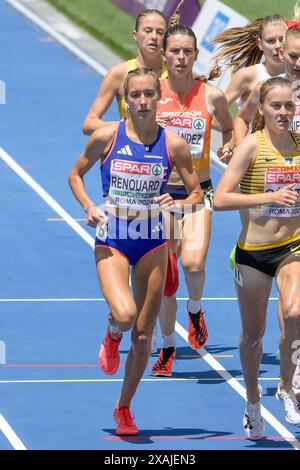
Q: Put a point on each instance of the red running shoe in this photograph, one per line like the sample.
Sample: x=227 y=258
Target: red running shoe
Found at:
x=109 y=357
x=125 y=423
x=198 y=334
x=164 y=363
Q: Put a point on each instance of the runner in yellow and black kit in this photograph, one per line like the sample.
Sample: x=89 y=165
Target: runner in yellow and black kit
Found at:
x=271 y=171
x=266 y=165
x=290 y=55
x=149 y=31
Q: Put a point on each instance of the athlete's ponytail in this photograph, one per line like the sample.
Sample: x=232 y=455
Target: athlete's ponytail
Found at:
x=175 y=18
x=238 y=47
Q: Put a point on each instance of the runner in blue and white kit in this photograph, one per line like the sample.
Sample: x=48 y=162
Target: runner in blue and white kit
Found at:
x=137 y=156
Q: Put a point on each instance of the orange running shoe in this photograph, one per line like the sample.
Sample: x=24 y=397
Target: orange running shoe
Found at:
x=198 y=334
x=125 y=423
x=109 y=357
x=164 y=363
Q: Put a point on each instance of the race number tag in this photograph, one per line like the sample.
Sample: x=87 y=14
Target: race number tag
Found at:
x=135 y=184
x=192 y=130
x=101 y=231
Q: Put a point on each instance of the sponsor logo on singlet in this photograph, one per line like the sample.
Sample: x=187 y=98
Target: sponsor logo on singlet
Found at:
x=135 y=184
x=191 y=127
x=277 y=178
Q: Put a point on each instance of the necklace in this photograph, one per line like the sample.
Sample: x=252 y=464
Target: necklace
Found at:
x=149 y=141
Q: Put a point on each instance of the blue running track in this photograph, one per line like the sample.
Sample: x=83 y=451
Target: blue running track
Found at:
x=52 y=314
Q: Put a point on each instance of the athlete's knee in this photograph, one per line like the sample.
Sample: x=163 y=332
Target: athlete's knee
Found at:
x=291 y=311
x=141 y=342
x=125 y=316
x=193 y=265
x=252 y=340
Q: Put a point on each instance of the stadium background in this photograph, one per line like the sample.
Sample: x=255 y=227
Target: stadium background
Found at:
x=113 y=26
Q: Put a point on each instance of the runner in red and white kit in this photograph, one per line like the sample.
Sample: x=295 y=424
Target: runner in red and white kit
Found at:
x=186 y=107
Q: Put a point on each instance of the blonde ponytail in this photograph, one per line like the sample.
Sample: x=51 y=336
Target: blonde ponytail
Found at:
x=238 y=47
x=175 y=18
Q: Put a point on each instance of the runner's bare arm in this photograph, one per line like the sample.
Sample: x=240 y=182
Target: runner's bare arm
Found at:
x=97 y=147
x=110 y=87
x=219 y=104
x=240 y=84
x=220 y=107
x=246 y=115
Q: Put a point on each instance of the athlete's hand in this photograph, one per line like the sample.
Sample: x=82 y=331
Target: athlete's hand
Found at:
x=163 y=120
x=285 y=196
x=225 y=154
x=165 y=202
x=94 y=216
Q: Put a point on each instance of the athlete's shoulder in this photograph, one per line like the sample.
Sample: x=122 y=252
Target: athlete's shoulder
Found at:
x=251 y=141
x=117 y=72
x=247 y=74
x=214 y=94
x=245 y=153
x=105 y=133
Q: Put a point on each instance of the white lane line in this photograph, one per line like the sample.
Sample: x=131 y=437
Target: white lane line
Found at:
x=10 y=434
x=157 y=379
x=214 y=364
x=103 y=300
x=67 y=43
x=52 y=300
x=53 y=219
x=210 y=360
x=46 y=197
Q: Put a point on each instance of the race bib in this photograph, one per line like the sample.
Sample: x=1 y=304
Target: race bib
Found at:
x=277 y=178
x=295 y=126
x=135 y=184
x=192 y=130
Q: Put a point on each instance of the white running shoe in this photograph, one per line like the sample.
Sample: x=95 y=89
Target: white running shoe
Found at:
x=253 y=423
x=291 y=406
x=153 y=340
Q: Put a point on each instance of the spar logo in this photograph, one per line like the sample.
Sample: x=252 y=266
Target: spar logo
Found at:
x=179 y=121
x=137 y=168
x=199 y=124
x=283 y=177
x=157 y=169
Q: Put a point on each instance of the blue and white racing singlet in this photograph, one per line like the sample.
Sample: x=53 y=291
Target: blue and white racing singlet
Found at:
x=133 y=174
